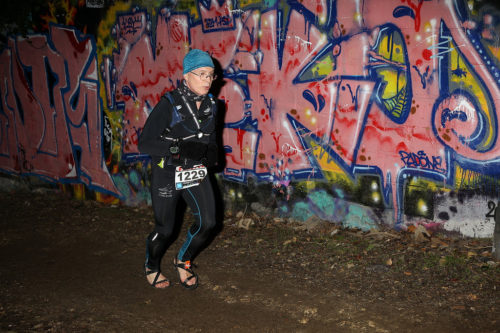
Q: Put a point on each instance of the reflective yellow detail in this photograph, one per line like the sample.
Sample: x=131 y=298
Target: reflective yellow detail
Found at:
x=162 y=163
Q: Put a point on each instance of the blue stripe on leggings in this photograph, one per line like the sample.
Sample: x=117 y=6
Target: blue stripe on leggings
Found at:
x=190 y=236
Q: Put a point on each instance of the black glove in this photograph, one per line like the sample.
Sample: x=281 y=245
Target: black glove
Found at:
x=210 y=158
x=193 y=150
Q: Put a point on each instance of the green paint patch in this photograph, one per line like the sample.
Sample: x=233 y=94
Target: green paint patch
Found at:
x=122 y=185
x=323 y=201
x=358 y=218
x=301 y=211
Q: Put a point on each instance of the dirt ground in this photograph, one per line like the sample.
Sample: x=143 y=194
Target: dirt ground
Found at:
x=76 y=266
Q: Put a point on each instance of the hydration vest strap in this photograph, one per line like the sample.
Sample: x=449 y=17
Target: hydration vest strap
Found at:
x=177 y=117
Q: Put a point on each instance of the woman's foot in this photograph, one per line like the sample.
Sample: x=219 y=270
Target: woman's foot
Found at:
x=187 y=277
x=156 y=279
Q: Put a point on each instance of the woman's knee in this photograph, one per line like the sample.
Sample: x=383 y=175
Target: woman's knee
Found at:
x=205 y=227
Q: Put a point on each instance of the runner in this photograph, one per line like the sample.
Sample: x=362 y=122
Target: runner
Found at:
x=180 y=137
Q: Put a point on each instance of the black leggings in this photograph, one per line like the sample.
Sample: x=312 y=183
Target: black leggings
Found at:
x=165 y=200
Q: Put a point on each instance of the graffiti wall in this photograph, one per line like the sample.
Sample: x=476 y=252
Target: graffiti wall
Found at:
x=350 y=111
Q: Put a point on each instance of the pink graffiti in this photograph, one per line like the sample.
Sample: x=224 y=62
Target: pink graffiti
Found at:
x=51 y=123
x=382 y=139
x=351 y=124
x=143 y=73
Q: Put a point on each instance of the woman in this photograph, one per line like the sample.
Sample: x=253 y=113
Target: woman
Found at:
x=179 y=135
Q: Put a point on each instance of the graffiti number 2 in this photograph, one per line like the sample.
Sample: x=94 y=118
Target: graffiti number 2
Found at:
x=491 y=207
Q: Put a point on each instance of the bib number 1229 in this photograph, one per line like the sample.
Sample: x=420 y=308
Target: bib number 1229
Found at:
x=189 y=177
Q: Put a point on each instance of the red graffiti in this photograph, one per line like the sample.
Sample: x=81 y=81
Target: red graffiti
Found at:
x=141 y=60
x=176 y=31
x=276 y=141
x=416 y=8
x=239 y=140
x=427 y=54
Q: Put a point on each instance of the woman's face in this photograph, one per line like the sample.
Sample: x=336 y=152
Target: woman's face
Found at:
x=200 y=80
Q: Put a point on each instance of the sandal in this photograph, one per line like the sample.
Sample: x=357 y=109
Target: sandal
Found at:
x=155 y=282
x=187 y=267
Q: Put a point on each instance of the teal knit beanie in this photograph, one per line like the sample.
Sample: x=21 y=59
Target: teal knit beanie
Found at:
x=196 y=59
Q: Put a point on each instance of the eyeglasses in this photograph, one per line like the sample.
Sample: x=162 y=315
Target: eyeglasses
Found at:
x=205 y=76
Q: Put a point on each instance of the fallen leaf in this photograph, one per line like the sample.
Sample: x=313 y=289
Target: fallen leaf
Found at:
x=471 y=254
x=438 y=242
x=374 y=233
x=310 y=312
x=245 y=223
x=421 y=234
x=458 y=307
x=293 y=240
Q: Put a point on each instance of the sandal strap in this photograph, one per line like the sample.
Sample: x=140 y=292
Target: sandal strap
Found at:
x=181 y=266
x=187 y=267
x=155 y=280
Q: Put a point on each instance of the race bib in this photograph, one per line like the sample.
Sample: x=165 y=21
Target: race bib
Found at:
x=189 y=177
